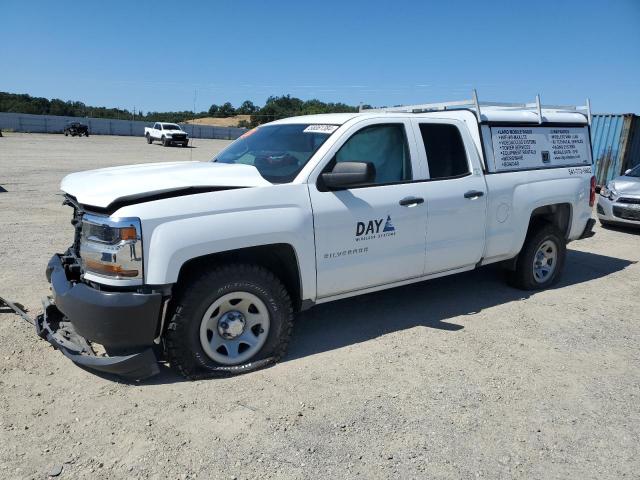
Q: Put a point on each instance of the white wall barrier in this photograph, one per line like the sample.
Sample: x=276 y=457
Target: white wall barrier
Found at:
x=23 y=122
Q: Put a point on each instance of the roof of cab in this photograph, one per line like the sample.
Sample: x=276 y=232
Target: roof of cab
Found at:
x=321 y=118
x=488 y=114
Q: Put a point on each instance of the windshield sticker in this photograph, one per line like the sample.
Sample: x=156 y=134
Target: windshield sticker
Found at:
x=328 y=129
x=250 y=132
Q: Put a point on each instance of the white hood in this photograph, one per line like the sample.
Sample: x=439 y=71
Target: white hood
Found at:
x=102 y=187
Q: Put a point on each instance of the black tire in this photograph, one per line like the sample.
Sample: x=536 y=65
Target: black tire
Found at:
x=184 y=348
x=149 y=139
x=165 y=143
x=523 y=277
x=66 y=134
x=86 y=134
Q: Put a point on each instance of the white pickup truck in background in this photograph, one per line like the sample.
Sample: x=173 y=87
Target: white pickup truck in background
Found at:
x=206 y=263
x=167 y=133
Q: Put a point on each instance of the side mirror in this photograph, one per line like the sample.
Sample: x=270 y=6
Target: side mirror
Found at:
x=349 y=174
x=626 y=172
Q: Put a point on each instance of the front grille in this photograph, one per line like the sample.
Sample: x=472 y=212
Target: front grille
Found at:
x=179 y=137
x=627 y=213
x=76 y=221
x=629 y=200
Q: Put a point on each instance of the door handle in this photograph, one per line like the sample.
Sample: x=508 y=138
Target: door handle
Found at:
x=411 y=201
x=473 y=194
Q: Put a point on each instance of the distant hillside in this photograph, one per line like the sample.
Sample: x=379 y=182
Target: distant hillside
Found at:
x=246 y=115
x=222 y=122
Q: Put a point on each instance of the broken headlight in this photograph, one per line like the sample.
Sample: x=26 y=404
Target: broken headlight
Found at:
x=609 y=191
x=111 y=249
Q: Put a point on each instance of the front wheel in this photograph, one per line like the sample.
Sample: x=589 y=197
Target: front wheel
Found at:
x=165 y=142
x=541 y=259
x=149 y=140
x=233 y=319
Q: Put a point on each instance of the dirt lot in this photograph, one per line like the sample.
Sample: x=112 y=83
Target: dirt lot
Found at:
x=461 y=377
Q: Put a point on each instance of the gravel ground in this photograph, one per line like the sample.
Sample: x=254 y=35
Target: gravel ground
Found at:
x=460 y=377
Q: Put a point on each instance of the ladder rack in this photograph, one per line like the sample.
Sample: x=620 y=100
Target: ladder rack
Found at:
x=476 y=106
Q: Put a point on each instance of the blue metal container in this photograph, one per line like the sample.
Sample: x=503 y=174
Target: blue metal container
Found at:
x=616 y=144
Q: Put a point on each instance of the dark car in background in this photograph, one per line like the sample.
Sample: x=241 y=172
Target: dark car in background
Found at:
x=76 y=128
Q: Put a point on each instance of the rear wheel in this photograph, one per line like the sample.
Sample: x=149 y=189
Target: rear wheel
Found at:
x=541 y=259
x=233 y=319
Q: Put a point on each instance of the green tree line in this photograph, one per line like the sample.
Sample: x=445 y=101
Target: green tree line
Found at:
x=274 y=108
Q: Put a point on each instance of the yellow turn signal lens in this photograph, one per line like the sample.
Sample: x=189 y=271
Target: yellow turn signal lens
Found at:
x=111 y=270
x=128 y=233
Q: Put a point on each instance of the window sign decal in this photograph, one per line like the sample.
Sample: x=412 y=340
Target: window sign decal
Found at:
x=521 y=148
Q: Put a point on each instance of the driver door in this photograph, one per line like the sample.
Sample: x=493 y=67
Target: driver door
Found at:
x=374 y=234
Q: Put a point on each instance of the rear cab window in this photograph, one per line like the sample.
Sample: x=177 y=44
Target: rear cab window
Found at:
x=444 y=147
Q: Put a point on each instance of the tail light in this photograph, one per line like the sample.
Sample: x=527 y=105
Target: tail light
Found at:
x=592 y=192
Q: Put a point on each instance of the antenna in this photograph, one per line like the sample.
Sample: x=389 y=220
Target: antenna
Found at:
x=195 y=95
x=477 y=104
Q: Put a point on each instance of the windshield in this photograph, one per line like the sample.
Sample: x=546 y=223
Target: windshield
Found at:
x=635 y=172
x=278 y=151
x=170 y=126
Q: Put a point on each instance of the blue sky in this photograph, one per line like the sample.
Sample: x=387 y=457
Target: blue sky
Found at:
x=160 y=55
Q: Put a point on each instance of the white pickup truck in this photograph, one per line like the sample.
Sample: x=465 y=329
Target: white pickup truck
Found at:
x=167 y=133
x=206 y=263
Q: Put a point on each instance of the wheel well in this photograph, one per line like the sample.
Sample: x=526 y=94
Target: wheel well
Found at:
x=558 y=214
x=279 y=258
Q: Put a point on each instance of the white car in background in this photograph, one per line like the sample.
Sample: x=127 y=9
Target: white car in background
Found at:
x=167 y=133
x=619 y=200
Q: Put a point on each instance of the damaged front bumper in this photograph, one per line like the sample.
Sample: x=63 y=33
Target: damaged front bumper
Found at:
x=78 y=314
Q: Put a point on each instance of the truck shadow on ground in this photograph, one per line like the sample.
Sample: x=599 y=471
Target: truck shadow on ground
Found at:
x=429 y=304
